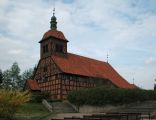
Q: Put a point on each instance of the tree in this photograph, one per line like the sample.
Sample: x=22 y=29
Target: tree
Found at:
x=12 y=77
x=27 y=74
x=6 y=79
x=15 y=75
x=1 y=77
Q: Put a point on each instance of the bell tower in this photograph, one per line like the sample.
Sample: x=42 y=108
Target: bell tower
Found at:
x=53 y=41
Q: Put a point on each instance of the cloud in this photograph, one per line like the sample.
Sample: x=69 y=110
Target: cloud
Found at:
x=12 y=51
x=126 y=29
x=16 y=51
x=151 y=61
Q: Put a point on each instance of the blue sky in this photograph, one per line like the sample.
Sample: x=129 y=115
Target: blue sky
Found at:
x=125 y=29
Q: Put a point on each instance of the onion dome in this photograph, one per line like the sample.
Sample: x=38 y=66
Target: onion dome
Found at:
x=53 y=23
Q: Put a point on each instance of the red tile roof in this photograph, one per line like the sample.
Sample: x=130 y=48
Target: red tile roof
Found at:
x=134 y=86
x=33 y=85
x=54 y=33
x=79 y=65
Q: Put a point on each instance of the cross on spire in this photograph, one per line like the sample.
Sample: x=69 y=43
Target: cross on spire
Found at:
x=107 y=57
x=54 y=11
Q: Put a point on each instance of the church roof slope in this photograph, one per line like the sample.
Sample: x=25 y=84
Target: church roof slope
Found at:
x=33 y=85
x=79 y=65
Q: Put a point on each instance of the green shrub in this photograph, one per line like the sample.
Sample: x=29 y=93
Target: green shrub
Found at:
x=55 y=100
x=10 y=102
x=39 y=96
x=115 y=96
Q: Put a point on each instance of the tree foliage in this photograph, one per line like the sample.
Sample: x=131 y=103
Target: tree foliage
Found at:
x=1 y=77
x=15 y=75
x=6 y=79
x=27 y=74
x=13 y=79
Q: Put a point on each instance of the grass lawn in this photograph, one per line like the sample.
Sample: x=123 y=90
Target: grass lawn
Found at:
x=31 y=111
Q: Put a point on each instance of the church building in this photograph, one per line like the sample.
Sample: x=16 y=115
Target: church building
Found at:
x=59 y=72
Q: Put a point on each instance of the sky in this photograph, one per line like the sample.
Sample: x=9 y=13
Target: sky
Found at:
x=123 y=29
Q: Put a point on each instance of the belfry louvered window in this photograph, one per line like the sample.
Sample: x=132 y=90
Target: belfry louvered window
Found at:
x=59 y=48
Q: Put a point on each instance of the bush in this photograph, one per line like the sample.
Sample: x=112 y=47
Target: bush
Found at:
x=55 y=100
x=39 y=96
x=115 y=96
x=10 y=101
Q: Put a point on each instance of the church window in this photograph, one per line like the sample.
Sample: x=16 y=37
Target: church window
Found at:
x=59 y=48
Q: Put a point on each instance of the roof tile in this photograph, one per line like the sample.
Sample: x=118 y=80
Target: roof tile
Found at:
x=33 y=85
x=79 y=65
x=54 y=33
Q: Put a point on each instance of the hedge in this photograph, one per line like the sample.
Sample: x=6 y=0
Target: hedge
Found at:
x=115 y=96
x=39 y=96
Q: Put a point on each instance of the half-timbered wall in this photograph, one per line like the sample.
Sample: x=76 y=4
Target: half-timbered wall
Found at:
x=75 y=82
x=58 y=84
x=45 y=70
x=47 y=77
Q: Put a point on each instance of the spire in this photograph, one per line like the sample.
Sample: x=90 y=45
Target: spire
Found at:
x=53 y=21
